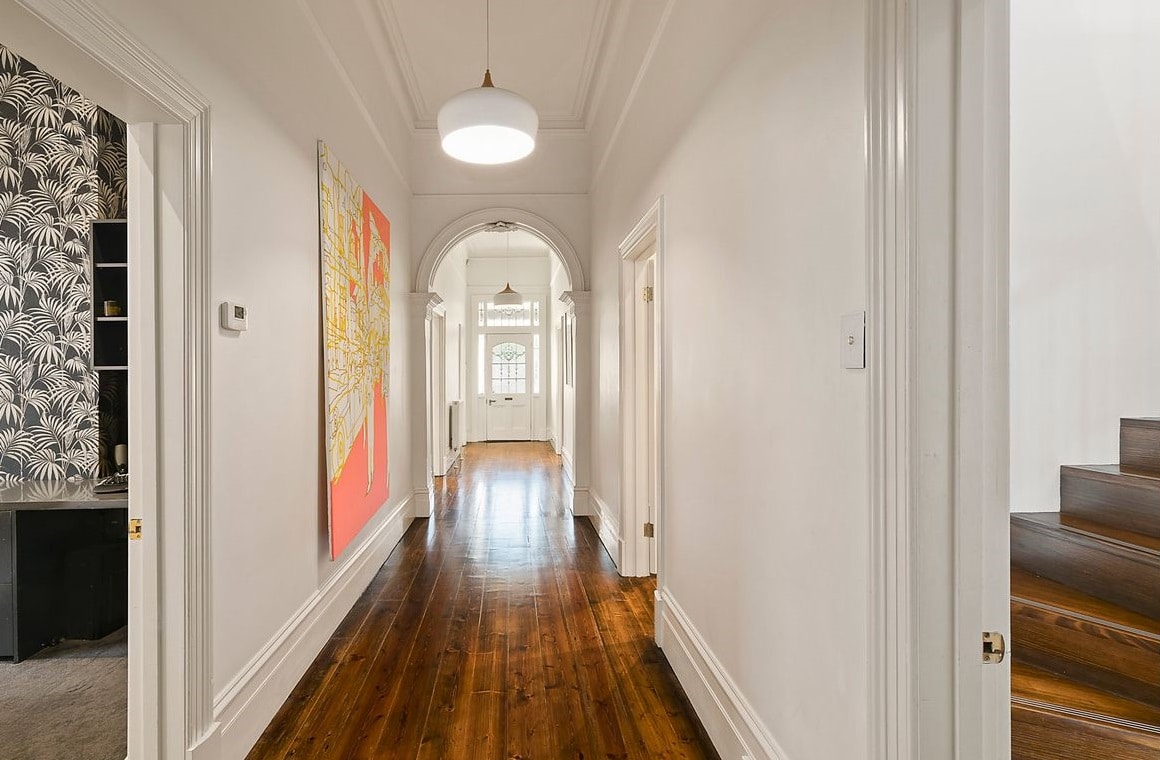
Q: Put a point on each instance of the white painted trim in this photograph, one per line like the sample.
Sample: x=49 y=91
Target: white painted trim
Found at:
x=581 y=502
x=981 y=416
x=731 y=722
x=423 y=502
x=646 y=236
x=607 y=527
x=646 y=62
x=186 y=665
x=352 y=90
x=249 y=702
x=469 y=224
x=569 y=467
x=892 y=644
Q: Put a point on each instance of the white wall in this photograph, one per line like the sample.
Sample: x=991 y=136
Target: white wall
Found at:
x=274 y=91
x=1085 y=234
x=766 y=435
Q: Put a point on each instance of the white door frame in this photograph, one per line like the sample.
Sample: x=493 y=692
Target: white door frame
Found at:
x=937 y=255
x=646 y=239
x=171 y=689
x=437 y=391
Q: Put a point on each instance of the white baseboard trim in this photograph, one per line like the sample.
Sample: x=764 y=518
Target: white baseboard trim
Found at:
x=249 y=702
x=569 y=467
x=450 y=458
x=581 y=502
x=608 y=528
x=423 y=502
x=727 y=716
x=208 y=747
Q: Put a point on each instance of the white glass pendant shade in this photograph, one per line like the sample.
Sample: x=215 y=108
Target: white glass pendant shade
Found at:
x=488 y=125
x=508 y=297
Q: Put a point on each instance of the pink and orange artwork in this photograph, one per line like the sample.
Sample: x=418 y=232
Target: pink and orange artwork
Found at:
x=356 y=303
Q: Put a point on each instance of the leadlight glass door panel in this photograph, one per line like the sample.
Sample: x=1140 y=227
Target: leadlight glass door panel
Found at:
x=508 y=381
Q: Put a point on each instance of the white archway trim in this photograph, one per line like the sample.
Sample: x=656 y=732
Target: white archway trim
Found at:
x=466 y=226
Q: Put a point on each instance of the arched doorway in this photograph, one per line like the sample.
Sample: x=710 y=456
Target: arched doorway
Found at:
x=455 y=325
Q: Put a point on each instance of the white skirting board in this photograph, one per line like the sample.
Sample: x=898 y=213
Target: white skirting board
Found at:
x=607 y=527
x=727 y=716
x=248 y=703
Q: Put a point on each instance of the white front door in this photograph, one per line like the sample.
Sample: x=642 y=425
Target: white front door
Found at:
x=508 y=373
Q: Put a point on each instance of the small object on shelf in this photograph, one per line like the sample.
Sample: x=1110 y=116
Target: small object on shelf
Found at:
x=118 y=483
x=112 y=309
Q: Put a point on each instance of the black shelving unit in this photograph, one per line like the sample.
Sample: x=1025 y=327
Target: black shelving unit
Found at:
x=110 y=358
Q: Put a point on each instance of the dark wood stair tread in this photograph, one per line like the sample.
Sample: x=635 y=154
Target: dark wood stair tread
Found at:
x=1149 y=546
x=1034 y=687
x=1029 y=588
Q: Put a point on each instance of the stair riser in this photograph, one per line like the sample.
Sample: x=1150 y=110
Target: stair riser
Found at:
x=1089 y=565
x=1140 y=445
x=1126 y=503
x=1041 y=735
x=1108 y=658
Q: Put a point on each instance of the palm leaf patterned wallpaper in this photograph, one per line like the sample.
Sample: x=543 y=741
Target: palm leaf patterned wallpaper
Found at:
x=62 y=165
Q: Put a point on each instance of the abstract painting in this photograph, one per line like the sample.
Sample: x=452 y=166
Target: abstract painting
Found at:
x=356 y=304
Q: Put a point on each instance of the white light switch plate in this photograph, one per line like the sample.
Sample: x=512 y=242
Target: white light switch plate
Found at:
x=233 y=316
x=854 y=340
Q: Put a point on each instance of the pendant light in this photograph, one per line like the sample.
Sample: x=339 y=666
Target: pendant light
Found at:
x=488 y=125
x=507 y=296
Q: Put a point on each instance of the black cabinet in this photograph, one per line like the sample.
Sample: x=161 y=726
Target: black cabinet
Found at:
x=63 y=574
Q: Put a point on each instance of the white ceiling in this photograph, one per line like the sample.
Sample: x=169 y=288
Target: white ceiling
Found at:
x=503 y=244
x=546 y=50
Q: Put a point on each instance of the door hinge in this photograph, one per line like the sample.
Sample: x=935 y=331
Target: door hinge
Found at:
x=649 y=530
x=647 y=293
x=994 y=647
x=135 y=529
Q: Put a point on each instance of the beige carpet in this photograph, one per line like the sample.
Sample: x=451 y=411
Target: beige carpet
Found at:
x=69 y=702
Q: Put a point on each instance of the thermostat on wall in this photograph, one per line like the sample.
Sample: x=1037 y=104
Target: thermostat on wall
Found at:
x=233 y=316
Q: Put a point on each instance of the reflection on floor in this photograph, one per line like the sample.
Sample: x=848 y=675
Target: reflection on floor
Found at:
x=67 y=701
x=497 y=629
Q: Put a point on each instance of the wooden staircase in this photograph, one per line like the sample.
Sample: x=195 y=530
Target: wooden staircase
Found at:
x=1085 y=612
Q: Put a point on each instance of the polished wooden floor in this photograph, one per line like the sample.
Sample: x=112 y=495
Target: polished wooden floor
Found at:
x=497 y=629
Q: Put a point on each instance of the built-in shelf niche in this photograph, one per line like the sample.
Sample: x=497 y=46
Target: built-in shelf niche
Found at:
x=110 y=358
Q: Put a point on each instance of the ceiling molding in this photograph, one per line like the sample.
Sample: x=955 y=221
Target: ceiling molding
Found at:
x=390 y=45
x=352 y=89
x=398 y=53
x=654 y=43
x=400 y=86
x=614 y=34
x=591 y=62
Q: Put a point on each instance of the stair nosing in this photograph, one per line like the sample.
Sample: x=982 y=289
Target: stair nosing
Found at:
x=1134 y=552
x=1131 y=630
x=1107 y=475
x=1073 y=712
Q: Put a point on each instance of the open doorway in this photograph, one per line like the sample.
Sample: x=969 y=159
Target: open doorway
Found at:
x=65 y=311
x=641 y=394
x=514 y=378
x=1084 y=379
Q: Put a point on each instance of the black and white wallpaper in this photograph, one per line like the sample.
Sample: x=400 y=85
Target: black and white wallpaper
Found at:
x=62 y=165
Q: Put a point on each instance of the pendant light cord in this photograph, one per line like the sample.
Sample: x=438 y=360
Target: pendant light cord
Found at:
x=487 y=34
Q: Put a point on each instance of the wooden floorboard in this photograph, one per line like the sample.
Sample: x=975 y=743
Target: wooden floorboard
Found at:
x=496 y=629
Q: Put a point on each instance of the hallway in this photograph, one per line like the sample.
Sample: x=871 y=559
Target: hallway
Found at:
x=497 y=629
